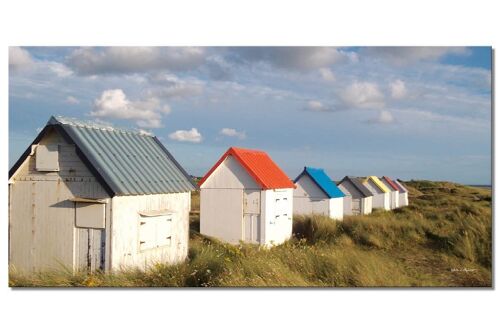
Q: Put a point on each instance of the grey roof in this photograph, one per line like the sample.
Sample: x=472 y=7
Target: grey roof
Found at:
x=401 y=186
x=358 y=185
x=129 y=163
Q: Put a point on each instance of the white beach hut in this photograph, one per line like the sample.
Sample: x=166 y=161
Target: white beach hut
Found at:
x=316 y=193
x=358 y=199
x=86 y=197
x=246 y=197
x=403 y=193
x=380 y=192
x=394 y=191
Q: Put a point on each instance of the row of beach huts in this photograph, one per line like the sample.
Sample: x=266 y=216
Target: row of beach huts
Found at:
x=89 y=197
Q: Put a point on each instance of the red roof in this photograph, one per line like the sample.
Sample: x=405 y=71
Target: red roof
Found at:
x=258 y=165
x=389 y=180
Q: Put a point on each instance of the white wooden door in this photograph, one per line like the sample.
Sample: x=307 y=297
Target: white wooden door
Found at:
x=90 y=249
x=251 y=228
x=356 y=206
x=90 y=236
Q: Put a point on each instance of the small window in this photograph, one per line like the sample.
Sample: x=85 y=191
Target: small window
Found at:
x=155 y=231
x=47 y=158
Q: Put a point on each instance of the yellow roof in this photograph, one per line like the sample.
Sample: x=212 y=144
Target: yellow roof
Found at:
x=377 y=182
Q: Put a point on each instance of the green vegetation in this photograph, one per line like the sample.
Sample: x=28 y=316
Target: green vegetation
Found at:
x=444 y=238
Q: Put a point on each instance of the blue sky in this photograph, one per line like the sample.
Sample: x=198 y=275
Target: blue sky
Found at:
x=405 y=112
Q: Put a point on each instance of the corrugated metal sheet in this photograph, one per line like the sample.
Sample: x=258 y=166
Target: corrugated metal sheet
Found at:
x=358 y=185
x=323 y=182
x=130 y=163
x=377 y=182
x=259 y=165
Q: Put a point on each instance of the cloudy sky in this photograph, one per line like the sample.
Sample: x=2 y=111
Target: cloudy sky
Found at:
x=410 y=113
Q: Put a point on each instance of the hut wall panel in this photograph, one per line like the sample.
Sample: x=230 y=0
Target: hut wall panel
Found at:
x=42 y=223
x=336 y=208
x=221 y=214
x=125 y=249
x=347 y=205
x=403 y=199
x=276 y=230
x=367 y=205
x=302 y=206
x=21 y=225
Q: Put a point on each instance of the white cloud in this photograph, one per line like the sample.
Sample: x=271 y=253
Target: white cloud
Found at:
x=115 y=104
x=296 y=58
x=72 y=100
x=424 y=117
x=231 y=132
x=171 y=86
x=186 y=136
x=385 y=117
x=59 y=69
x=408 y=55
x=92 y=61
x=144 y=132
x=315 y=105
x=19 y=59
x=327 y=74
x=166 y=109
x=398 y=89
x=363 y=95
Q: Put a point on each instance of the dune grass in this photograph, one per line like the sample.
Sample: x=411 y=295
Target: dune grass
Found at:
x=444 y=238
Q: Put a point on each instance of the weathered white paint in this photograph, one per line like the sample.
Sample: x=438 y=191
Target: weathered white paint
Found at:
x=403 y=199
x=276 y=216
x=337 y=208
x=125 y=240
x=233 y=208
x=309 y=199
x=393 y=195
x=366 y=205
x=47 y=230
x=42 y=228
x=231 y=175
x=359 y=205
x=381 y=199
x=221 y=214
x=90 y=215
x=47 y=158
x=347 y=204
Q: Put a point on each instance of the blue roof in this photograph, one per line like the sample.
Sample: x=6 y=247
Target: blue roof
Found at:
x=323 y=181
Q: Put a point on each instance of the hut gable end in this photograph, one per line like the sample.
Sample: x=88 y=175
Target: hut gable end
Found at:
x=348 y=186
x=231 y=175
x=306 y=187
x=70 y=164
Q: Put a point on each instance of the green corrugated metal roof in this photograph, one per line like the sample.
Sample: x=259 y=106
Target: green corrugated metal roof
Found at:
x=131 y=163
